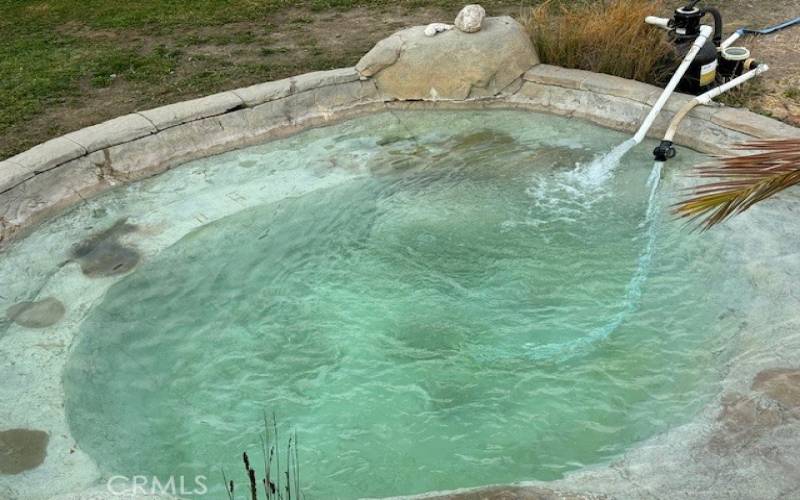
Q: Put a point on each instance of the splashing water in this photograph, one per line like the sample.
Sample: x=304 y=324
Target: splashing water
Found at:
x=598 y=171
x=633 y=291
x=576 y=190
x=572 y=192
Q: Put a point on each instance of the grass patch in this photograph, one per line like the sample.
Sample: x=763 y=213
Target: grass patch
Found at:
x=792 y=93
x=116 y=62
x=271 y=51
x=604 y=37
x=232 y=38
x=35 y=72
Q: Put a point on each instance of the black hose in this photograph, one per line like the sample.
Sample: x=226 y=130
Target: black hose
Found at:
x=717 y=23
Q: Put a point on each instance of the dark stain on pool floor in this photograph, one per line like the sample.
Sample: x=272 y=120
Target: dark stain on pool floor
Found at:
x=103 y=255
x=38 y=314
x=21 y=450
x=745 y=419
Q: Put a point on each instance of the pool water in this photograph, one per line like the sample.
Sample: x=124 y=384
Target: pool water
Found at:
x=452 y=304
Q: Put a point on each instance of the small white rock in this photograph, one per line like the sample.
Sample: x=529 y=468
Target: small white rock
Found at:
x=434 y=28
x=470 y=18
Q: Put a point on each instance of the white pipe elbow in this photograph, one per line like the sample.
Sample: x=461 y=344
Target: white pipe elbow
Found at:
x=661 y=22
x=729 y=41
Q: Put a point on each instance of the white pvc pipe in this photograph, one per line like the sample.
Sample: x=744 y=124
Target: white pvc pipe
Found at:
x=705 y=32
x=729 y=41
x=661 y=22
x=708 y=96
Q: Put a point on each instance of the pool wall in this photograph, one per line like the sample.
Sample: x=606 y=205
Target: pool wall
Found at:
x=743 y=446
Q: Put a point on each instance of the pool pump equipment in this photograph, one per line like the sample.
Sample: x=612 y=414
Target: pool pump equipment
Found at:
x=716 y=63
x=711 y=65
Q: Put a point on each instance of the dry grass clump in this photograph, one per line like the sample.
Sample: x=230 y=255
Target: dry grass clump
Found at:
x=745 y=95
x=608 y=36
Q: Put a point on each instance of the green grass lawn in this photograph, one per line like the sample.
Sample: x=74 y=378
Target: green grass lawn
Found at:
x=40 y=63
x=68 y=64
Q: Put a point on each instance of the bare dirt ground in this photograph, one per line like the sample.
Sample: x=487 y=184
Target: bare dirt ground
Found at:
x=210 y=59
x=780 y=95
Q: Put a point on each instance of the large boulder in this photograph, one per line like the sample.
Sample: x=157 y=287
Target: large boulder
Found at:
x=452 y=65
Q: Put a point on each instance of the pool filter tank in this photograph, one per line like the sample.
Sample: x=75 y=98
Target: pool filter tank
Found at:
x=685 y=24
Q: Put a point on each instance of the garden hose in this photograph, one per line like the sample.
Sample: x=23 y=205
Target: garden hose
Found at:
x=765 y=31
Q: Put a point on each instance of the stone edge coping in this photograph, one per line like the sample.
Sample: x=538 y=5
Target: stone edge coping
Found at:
x=141 y=144
x=735 y=119
x=127 y=128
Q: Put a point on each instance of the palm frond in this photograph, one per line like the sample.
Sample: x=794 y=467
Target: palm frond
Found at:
x=744 y=181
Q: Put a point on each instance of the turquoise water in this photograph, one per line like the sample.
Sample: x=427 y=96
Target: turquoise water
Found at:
x=463 y=308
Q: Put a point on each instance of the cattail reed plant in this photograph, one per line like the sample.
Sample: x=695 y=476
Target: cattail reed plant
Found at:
x=277 y=483
x=603 y=36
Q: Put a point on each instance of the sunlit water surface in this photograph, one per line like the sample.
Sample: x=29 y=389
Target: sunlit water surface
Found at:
x=464 y=305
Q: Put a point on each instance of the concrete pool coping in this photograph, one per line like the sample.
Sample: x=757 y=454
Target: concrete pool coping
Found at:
x=52 y=177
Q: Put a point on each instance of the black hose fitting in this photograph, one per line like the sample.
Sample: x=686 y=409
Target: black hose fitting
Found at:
x=664 y=151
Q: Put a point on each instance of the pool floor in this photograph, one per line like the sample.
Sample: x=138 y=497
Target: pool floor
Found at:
x=431 y=300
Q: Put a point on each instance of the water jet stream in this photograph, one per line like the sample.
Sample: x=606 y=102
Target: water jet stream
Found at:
x=596 y=174
x=633 y=291
x=599 y=170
